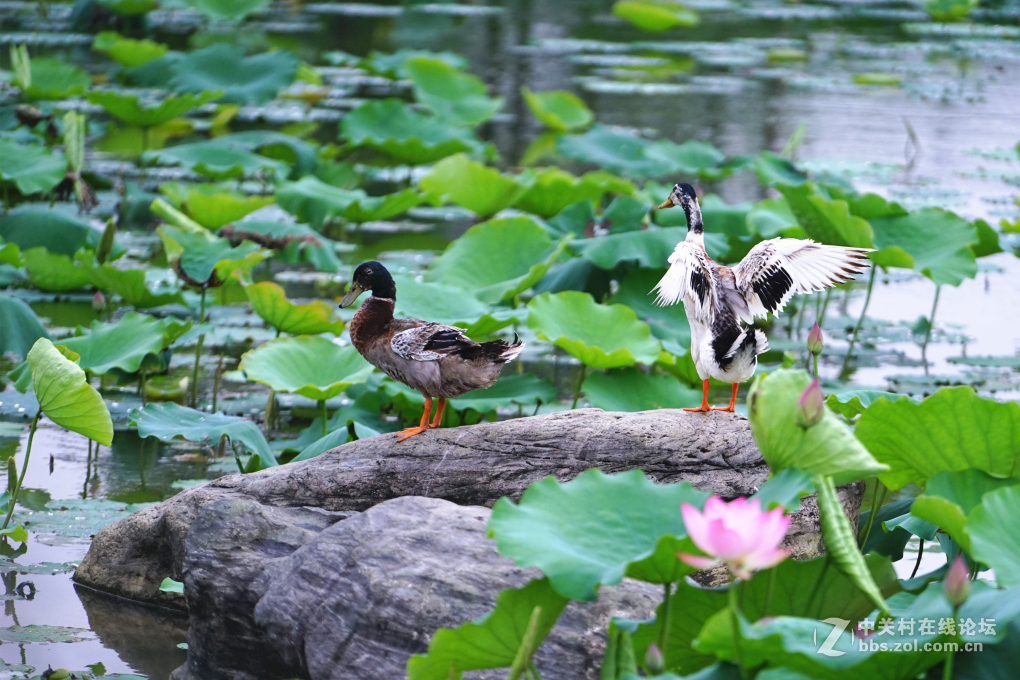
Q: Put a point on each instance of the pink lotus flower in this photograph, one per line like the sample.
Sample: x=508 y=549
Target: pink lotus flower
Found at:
x=956 y=584
x=815 y=340
x=810 y=406
x=737 y=534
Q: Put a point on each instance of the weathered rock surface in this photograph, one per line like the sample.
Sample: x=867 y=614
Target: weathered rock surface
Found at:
x=466 y=465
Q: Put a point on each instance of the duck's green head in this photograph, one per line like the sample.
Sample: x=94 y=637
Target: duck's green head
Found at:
x=371 y=276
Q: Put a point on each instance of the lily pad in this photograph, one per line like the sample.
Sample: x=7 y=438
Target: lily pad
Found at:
x=205 y=259
x=128 y=108
x=559 y=110
x=31 y=226
x=128 y=51
x=405 y=135
x=65 y=396
x=242 y=80
x=54 y=79
x=459 y=97
x=227 y=9
x=30 y=167
x=214 y=206
x=21 y=327
x=311 y=366
x=471 y=185
x=270 y=302
x=655 y=15
x=44 y=634
x=631 y=389
x=312 y=200
x=392 y=65
x=218 y=161
x=166 y=421
x=600 y=336
x=124 y=345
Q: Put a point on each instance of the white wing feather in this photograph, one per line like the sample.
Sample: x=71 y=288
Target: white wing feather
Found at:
x=690 y=278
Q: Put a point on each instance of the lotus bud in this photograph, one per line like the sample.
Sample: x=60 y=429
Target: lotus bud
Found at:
x=98 y=302
x=956 y=585
x=815 y=342
x=811 y=405
x=655 y=664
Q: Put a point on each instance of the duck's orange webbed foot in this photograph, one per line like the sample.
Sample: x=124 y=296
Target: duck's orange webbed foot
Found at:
x=424 y=425
x=733 y=401
x=439 y=414
x=704 y=408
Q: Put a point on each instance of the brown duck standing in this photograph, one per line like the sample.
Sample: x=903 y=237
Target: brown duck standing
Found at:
x=439 y=361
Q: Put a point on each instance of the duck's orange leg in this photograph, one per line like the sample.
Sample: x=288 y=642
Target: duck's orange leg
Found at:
x=411 y=431
x=439 y=413
x=733 y=400
x=704 y=408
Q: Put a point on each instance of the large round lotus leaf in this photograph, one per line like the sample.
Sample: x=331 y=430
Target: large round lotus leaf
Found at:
x=313 y=201
x=122 y=345
x=64 y=395
x=495 y=260
x=132 y=287
x=218 y=161
x=471 y=185
x=21 y=327
x=127 y=51
x=311 y=366
x=949 y=497
x=30 y=167
x=630 y=389
x=954 y=429
x=587 y=531
x=827 y=448
x=55 y=79
x=551 y=190
x=824 y=220
x=406 y=135
x=53 y=272
x=270 y=302
x=560 y=110
x=618 y=152
x=454 y=95
x=994 y=527
x=206 y=259
x=31 y=227
x=655 y=15
x=306 y=244
x=127 y=108
x=938 y=241
x=166 y=421
x=667 y=323
x=522 y=389
x=391 y=65
x=649 y=248
x=600 y=336
x=213 y=206
x=243 y=80
x=227 y=9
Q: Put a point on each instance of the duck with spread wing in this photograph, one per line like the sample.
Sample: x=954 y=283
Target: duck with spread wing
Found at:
x=721 y=302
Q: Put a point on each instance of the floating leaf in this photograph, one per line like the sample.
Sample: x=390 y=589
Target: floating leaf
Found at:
x=585 y=532
x=312 y=200
x=600 y=336
x=129 y=7
x=655 y=15
x=205 y=259
x=124 y=345
x=31 y=226
x=472 y=185
x=303 y=244
x=127 y=108
x=270 y=302
x=227 y=9
x=127 y=51
x=218 y=161
x=392 y=65
x=828 y=448
x=214 y=206
x=560 y=110
x=242 y=80
x=44 y=634
x=169 y=585
x=311 y=366
x=30 y=167
x=496 y=260
x=454 y=95
x=54 y=272
x=952 y=430
x=618 y=152
x=949 y=10
x=65 y=396
x=406 y=135
x=54 y=79
x=21 y=327
x=630 y=389
x=168 y=420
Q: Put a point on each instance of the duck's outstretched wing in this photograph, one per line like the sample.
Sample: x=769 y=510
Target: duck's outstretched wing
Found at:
x=691 y=278
x=776 y=269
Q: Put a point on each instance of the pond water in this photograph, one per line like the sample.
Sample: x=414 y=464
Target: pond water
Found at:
x=752 y=76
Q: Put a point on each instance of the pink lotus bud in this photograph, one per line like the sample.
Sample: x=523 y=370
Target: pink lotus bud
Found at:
x=956 y=585
x=811 y=405
x=98 y=302
x=737 y=534
x=815 y=341
x=655 y=663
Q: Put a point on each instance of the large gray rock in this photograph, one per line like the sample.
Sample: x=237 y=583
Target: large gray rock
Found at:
x=363 y=595
x=467 y=465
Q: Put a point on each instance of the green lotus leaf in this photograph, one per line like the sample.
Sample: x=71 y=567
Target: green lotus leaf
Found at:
x=615 y=151
x=521 y=389
x=242 y=80
x=649 y=248
x=311 y=366
x=949 y=10
x=21 y=327
x=304 y=244
x=205 y=259
x=129 y=7
x=585 y=533
x=450 y=305
x=459 y=97
x=311 y=200
x=773 y=169
x=559 y=110
x=551 y=190
x=938 y=242
x=392 y=65
x=127 y=51
x=994 y=534
x=299 y=154
x=496 y=260
x=218 y=161
x=270 y=302
x=667 y=323
x=132 y=287
x=471 y=185
x=10 y=254
x=405 y=134
x=495 y=640
x=227 y=9
x=771 y=217
x=827 y=448
x=631 y=389
x=168 y=420
x=600 y=336
x=826 y=221
x=65 y=396
x=855 y=402
x=949 y=497
x=213 y=206
x=54 y=79
x=655 y=15
x=127 y=108
x=691 y=158
x=31 y=227
x=56 y=273
x=126 y=344
x=31 y=168
x=953 y=430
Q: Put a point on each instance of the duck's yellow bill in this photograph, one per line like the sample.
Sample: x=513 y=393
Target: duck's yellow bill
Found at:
x=352 y=295
x=665 y=204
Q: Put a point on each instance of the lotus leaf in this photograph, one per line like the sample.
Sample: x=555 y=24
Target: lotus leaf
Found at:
x=392 y=65
x=952 y=430
x=855 y=402
x=559 y=110
x=826 y=221
x=30 y=167
x=454 y=95
x=471 y=185
x=302 y=242
x=949 y=10
x=406 y=135
x=127 y=108
x=227 y=9
x=655 y=15
x=127 y=51
x=827 y=448
x=631 y=389
x=667 y=323
x=995 y=537
x=130 y=7
x=55 y=272
x=218 y=161
x=772 y=169
x=65 y=396
x=10 y=254
x=771 y=217
x=938 y=242
x=586 y=532
x=311 y=200
x=44 y=634
x=132 y=286
x=124 y=345
x=551 y=190
x=496 y=260
x=205 y=259
x=451 y=305
x=302 y=156
x=57 y=232
x=600 y=336
x=691 y=158
x=616 y=151
x=54 y=79
x=523 y=389
x=311 y=366
x=949 y=497
x=270 y=302
x=214 y=206
x=649 y=248
x=242 y=80
x=21 y=327
x=168 y=420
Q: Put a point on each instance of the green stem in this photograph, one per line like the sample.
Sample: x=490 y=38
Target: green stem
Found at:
x=768 y=592
x=947 y=668
x=216 y=383
x=860 y=322
x=815 y=358
x=580 y=381
x=534 y=670
x=734 y=614
x=877 y=498
x=825 y=307
x=931 y=324
x=198 y=355
x=24 y=468
x=269 y=411
x=325 y=417
x=664 y=630
x=920 y=554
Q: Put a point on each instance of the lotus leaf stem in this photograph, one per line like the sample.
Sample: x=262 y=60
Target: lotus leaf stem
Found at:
x=877 y=498
x=198 y=355
x=860 y=322
x=24 y=467
x=931 y=325
x=269 y=411
x=580 y=381
x=664 y=630
x=735 y=619
x=768 y=592
x=325 y=417
x=920 y=552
